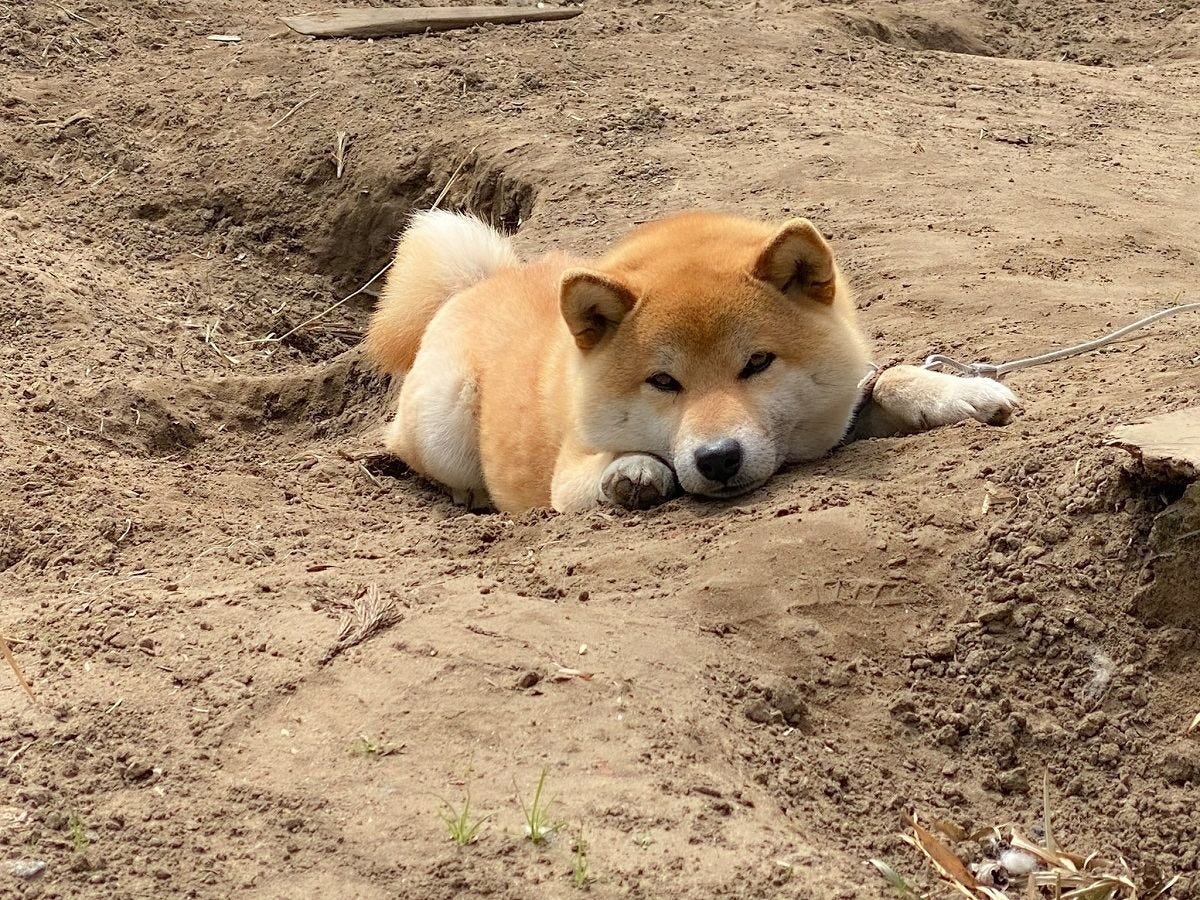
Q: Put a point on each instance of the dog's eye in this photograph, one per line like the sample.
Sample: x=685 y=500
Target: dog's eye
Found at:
x=664 y=382
x=758 y=362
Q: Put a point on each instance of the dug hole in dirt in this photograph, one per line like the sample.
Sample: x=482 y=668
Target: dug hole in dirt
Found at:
x=727 y=699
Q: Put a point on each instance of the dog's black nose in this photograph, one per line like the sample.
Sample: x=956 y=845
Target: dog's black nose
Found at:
x=719 y=461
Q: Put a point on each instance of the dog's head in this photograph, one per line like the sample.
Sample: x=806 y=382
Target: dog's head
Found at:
x=724 y=346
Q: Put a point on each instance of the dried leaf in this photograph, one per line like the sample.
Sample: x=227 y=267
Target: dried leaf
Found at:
x=1099 y=891
x=955 y=832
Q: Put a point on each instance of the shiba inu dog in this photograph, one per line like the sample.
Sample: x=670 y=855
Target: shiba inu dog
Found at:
x=703 y=352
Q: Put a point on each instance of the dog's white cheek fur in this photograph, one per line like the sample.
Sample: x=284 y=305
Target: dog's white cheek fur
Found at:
x=822 y=413
x=628 y=425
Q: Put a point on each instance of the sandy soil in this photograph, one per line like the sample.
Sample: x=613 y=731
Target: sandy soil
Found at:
x=186 y=511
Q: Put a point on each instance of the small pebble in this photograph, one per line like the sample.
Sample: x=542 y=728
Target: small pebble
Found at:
x=25 y=868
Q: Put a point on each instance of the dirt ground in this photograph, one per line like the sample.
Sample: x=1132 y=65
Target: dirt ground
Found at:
x=188 y=505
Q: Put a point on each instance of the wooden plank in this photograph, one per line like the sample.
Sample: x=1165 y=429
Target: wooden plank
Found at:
x=1168 y=445
x=386 y=22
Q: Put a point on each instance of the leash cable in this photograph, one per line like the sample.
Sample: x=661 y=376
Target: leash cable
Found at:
x=996 y=371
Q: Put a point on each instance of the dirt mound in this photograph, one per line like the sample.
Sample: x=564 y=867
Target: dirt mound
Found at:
x=1083 y=33
x=165 y=414
x=912 y=31
x=728 y=699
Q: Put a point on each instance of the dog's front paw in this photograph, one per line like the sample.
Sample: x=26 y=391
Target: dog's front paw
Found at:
x=985 y=400
x=637 y=481
x=913 y=399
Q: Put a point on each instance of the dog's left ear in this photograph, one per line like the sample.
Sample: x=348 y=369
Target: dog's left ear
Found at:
x=593 y=305
x=798 y=262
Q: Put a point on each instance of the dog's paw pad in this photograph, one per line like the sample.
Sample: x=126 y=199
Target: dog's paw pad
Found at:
x=637 y=481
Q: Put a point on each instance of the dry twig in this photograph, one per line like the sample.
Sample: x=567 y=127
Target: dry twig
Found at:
x=6 y=650
x=291 y=112
x=76 y=16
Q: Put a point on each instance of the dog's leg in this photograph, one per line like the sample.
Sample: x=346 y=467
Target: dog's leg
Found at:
x=909 y=399
x=436 y=427
x=631 y=480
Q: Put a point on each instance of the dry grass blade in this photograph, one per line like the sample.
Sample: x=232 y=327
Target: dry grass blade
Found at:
x=894 y=878
x=12 y=661
x=1050 y=845
x=291 y=112
x=76 y=16
x=1160 y=890
x=1104 y=889
x=1058 y=873
x=944 y=859
x=1195 y=724
x=341 y=144
x=1060 y=860
x=369 y=615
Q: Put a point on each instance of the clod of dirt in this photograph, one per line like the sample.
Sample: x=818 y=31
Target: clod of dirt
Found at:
x=80 y=863
x=1014 y=781
x=995 y=617
x=138 y=770
x=528 y=679
x=941 y=647
x=1181 y=764
x=904 y=709
x=119 y=638
x=759 y=711
x=1169 y=595
x=779 y=703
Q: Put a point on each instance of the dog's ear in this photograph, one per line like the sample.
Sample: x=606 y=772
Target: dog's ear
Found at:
x=593 y=305
x=798 y=262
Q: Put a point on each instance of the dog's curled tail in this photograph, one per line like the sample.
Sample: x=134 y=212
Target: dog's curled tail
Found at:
x=440 y=254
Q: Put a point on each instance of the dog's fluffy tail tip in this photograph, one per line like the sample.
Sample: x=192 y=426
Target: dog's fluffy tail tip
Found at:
x=468 y=249
x=440 y=254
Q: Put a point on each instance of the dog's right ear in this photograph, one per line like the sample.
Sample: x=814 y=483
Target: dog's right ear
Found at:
x=593 y=305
